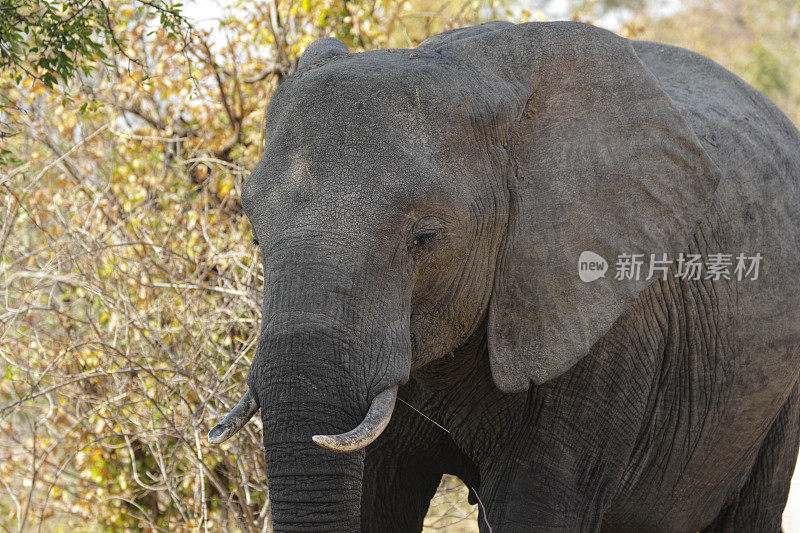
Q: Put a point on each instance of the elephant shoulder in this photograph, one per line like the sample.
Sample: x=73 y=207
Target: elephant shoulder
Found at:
x=738 y=126
x=757 y=204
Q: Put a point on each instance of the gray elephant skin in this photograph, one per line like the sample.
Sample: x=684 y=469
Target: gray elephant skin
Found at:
x=420 y=215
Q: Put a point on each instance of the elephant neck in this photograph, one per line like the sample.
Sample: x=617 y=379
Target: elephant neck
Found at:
x=467 y=363
x=457 y=391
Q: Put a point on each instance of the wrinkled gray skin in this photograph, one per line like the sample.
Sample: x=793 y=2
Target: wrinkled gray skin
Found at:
x=420 y=214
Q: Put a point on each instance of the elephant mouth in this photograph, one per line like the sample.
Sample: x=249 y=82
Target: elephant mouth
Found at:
x=375 y=421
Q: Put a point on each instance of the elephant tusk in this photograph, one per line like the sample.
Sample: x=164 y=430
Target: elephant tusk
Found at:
x=368 y=430
x=235 y=420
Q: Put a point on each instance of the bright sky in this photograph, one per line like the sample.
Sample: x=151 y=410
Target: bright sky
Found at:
x=206 y=13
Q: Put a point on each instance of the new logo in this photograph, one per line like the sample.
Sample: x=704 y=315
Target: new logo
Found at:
x=591 y=266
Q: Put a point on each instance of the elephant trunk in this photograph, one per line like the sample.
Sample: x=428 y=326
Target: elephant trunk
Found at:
x=326 y=392
x=310 y=487
x=325 y=374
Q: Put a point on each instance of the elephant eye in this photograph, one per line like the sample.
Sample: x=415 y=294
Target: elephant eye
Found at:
x=425 y=239
x=426 y=232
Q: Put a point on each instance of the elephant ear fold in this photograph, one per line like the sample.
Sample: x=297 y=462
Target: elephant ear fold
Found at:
x=603 y=162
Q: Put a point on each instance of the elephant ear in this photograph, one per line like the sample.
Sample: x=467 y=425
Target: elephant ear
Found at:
x=602 y=162
x=436 y=41
x=320 y=51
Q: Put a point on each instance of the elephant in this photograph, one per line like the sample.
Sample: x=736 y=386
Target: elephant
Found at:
x=421 y=216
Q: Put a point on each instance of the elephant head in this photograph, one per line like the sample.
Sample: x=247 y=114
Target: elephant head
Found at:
x=407 y=198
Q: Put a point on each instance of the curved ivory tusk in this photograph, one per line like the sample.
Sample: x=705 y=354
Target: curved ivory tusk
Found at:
x=368 y=430
x=236 y=419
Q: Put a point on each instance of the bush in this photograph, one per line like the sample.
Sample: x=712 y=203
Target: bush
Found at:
x=131 y=290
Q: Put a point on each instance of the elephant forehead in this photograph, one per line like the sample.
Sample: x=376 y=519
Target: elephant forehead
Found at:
x=403 y=94
x=368 y=136
x=347 y=190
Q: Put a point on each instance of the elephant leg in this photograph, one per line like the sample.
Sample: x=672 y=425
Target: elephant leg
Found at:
x=398 y=486
x=760 y=502
x=522 y=497
x=402 y=470
x=560 y=467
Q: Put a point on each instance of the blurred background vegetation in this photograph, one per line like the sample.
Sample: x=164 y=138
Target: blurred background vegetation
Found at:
x=129 y=287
